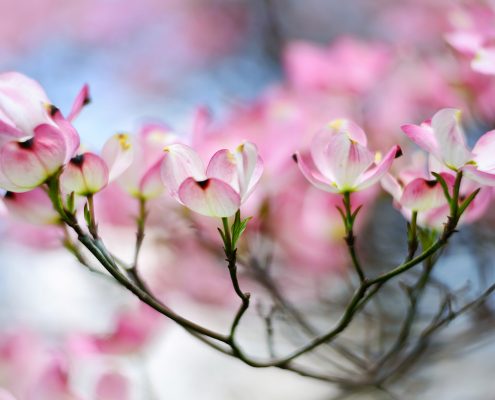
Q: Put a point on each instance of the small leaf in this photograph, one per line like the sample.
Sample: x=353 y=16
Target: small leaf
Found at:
x=465 y=204
x=70 y=202
x=342 y=214
x=355 y=213
x=87 y=215
x=222 y=235
x=444 y=186
x=238 y=229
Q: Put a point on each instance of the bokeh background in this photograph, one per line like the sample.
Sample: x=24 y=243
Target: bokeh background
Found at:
x=382 y=62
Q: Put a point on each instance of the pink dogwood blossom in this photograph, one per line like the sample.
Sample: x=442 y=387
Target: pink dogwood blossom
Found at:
x=34 y=207
x=142 y=178
x=443 y=137
x=35 y=139
x=85 y=174
x=342 y=162
x=414 y=189
x=217 y=191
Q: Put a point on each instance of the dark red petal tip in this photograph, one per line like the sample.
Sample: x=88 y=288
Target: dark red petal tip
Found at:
x=26 y=144
x=87 y=97
x=77 y=160
x=52 y=110
x=431 y=183
x=203 y=184
x=294 y=157
x=399 y=152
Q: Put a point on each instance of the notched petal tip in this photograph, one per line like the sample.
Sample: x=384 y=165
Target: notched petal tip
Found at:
x=26 y=144
x=203 y=184
x=77 y=160
x=87 y=97
x=52 y=110
x=398 y=152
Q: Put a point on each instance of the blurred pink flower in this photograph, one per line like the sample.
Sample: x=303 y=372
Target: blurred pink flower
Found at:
x=142 y=178
x=347 y=65
x=112 y=386
x=34 y=207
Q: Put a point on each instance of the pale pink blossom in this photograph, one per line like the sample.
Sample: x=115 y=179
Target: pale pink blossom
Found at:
x=112 y=386
x=416 y=189
x=341 y=160
x=118 y=154
x=419 y=194
x=443 y=137
x=85 y=174
x=134 y=328
x=35 y=139
x=34 y=207
x=347 y=65
x=221 y=188
x=484 y=61
x=142 y=178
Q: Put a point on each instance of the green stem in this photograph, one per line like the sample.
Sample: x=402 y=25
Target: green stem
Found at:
x=140 y=234
x=404 y=333
x=231 y=254
x=99 y=251
x=412 y=236
x=350 y=239
x=92 y=225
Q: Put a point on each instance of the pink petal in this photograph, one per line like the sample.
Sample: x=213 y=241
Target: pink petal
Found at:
x=450 y=137
x=435 y=218
x=373 y=175
x=118 y=154
x=34 y=207
x=179 y=163
x=211 y=197
x=202 y=119
x=6 y=184
x=484 y=61
x=313 y=175
x=112 y=386
x=350 y=128
x=479 y=205
x=422 y=195
x=346 y=160
x=249 y=168
x=84 y=175
x=333 y=135
x=151 y=185
x=68 y=132
x=483 y=178
x=9 y=133
x=22 y=102
x=465 y=42
x=4 y=395
x=223 y=166
x=82 y=99
x=484 y=151
x=28 y=164
x=392 y=186
x=423 y=137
